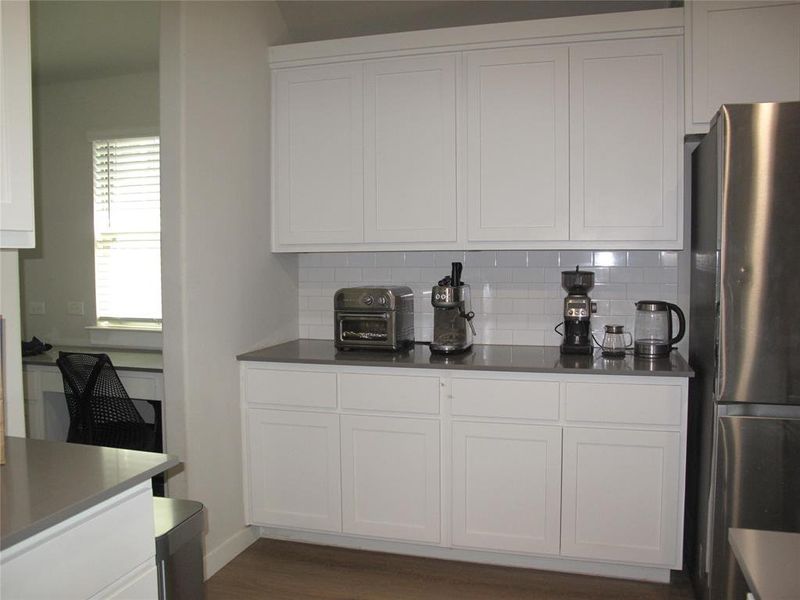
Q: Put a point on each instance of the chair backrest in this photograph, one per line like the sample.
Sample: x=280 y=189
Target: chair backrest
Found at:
x=95 y=395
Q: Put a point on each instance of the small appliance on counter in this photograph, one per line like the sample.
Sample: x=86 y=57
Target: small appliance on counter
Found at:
x=615 y=344
x=452 y=314
x=378 y=318
x=578 y=309
x=653 y=328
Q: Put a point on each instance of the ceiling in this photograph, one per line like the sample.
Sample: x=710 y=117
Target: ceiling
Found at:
x=311 y=20
x=87 y=39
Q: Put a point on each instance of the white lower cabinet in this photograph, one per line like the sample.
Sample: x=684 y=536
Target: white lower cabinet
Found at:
x=620 y=498
x=507 y=487
x=390 y=477
x=534 y=466
x=294 y=469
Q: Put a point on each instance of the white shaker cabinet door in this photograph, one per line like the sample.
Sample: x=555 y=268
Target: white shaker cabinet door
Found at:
x=740 y=52
x=16 y=127
x=294 y=469
x=518 y=144
x=625 y=111
x=621 y=496
x=318 y=155
x=507 y=487
x=410 y=149
x=390 y=477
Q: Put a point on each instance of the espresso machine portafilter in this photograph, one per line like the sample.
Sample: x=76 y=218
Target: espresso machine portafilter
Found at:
x=452 y=314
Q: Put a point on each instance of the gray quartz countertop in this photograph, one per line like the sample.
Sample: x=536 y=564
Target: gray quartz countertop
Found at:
x=769 y=562
x=519 y=359
x=44 y=483
x=127 y=360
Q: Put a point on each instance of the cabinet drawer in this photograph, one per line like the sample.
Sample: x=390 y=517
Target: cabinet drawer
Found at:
x=291 y=388
x=505 y=398
x=397 y=393
x=644 y=404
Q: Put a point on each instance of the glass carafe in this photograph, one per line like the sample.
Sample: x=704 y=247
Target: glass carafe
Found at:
x=653 y=328
x=615 y=341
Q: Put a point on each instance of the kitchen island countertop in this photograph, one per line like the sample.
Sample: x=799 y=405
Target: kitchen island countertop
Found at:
x=44 y=483
x=482 y=357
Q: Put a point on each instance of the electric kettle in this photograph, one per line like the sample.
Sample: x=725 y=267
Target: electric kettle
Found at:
x=653 y=328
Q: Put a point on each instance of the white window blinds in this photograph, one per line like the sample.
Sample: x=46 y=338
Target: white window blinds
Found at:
x=127 y=229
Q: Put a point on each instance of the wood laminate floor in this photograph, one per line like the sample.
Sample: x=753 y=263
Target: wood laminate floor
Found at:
x=278 y=570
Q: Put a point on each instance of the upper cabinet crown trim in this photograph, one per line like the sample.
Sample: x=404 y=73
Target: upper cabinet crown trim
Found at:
x=666 y=21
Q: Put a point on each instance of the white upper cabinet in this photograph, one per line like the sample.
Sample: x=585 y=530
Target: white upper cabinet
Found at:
x=16 y=127
x=625 y=111
x=518 y=144
x=410 y=149
x=318 y=185
x=739 y=52
x=487 y=137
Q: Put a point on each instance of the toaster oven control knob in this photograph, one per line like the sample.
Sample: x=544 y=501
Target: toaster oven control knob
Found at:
x=367 y=300
x=382 y=300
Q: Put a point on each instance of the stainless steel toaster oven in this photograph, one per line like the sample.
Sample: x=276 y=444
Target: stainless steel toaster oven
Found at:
x=374 y=317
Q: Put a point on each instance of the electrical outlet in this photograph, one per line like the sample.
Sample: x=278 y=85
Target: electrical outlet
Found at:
x=75 y=308
x=36 y=307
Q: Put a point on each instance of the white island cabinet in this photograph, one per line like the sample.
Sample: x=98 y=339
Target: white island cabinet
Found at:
x=574 y=472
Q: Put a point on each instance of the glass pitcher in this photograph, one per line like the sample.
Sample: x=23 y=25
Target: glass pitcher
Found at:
x=615 y=342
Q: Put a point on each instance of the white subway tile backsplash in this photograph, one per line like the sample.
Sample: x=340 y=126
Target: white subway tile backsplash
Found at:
x=390 y=259
x=569 y=259
x=610 y=259
x=644 y=258
x=512 y=258
x=361 y=259
x=516 y=295
x=480 y=258
x=528 y=275
x=542 y=258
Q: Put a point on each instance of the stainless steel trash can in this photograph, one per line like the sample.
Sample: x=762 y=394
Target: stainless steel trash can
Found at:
x=179 y=548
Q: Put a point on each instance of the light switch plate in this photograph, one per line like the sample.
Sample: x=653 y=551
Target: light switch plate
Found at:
x=75 y=308
x=36 y=307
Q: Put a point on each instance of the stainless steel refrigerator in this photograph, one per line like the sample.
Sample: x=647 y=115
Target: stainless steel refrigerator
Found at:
x=744 y=457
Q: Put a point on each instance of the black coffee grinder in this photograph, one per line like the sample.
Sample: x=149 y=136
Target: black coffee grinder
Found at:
x=578 y=309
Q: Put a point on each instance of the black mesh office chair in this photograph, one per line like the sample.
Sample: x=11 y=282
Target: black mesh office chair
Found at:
x=100 y=411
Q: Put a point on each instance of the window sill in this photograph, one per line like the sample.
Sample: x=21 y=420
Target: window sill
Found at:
x=125 y=336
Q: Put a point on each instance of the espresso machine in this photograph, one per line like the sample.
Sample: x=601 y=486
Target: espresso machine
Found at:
x=452 y=314
x=578 y=309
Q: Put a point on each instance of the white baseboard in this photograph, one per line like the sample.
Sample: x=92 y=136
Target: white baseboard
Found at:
x=564 y=565
x=225 y=552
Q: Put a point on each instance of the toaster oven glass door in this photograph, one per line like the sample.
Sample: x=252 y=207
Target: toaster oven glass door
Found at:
x=365 y=327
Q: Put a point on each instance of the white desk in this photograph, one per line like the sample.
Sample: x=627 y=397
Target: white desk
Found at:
x=140 y=371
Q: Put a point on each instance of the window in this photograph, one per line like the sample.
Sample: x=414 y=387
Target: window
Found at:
x=127 y=231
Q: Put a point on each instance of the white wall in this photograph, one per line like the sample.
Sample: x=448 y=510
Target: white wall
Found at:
x=223 y=291
x=12 y=356
x=61 y=267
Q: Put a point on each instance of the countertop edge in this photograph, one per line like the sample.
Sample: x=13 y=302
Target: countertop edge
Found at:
x=452 y=367
x=14 y=538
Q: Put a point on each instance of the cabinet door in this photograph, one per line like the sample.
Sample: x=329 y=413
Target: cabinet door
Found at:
x=318 y=154
x=390 y=477
x=741 y=52
x=621 y=495
x=294 y=469
x=16 y=128
x=517 y=138
x=625 y=140
x=410 y=149
x=507 y=487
